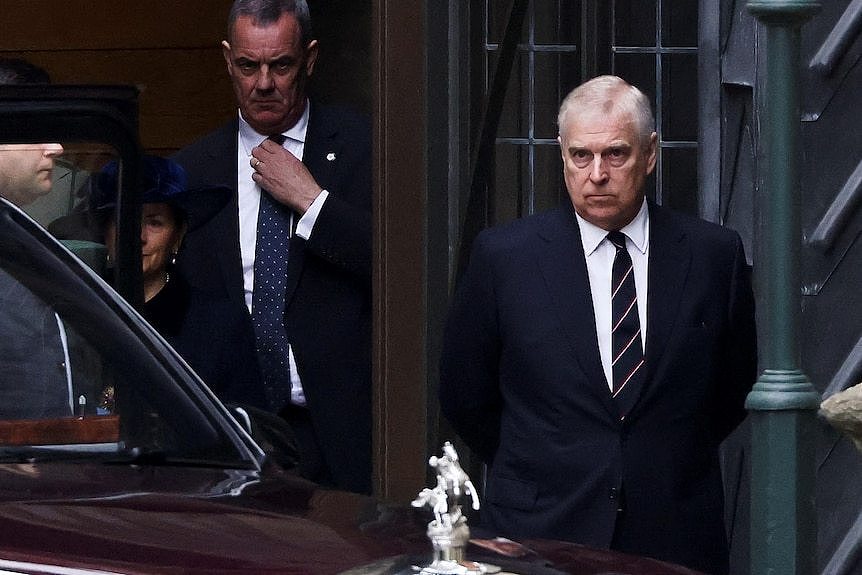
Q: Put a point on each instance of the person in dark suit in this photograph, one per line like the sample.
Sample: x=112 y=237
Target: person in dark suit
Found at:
x=532 y=376
x=303 y=170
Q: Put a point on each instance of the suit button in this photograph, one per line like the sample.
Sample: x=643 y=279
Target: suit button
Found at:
x=615 y=494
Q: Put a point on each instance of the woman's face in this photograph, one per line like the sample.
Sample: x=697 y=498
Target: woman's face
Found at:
x=161 y=235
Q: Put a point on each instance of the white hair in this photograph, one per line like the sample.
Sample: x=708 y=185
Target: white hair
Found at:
x=612 y=96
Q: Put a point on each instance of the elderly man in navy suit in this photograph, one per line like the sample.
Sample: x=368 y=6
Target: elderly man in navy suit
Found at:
x=596 y=355
x=295 y=243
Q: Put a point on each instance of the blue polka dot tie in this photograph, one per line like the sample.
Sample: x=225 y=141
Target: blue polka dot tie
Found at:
x=268 y=298
x=627 y=357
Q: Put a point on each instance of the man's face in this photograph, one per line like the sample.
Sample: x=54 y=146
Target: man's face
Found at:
x=269 y=68
x=25 y=171
x=605 y=165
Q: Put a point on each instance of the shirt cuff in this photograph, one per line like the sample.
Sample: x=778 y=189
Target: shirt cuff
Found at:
x=306 y=223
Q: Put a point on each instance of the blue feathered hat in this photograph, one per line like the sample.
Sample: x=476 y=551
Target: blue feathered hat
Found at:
x=164 y=181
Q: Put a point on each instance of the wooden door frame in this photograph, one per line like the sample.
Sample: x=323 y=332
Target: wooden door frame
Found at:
x=400 y=371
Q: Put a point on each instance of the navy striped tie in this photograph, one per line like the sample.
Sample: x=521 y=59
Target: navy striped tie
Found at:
x=627 y=356
x=268 y=297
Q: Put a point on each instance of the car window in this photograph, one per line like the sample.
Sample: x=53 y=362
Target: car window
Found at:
x=57 y=138
x=73 y=168
x=81 y=373
x=63 y=208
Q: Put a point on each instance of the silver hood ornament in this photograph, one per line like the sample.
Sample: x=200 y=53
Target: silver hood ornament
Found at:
x=448 y=531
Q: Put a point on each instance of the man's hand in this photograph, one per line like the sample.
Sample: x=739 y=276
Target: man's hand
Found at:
x=284 y=176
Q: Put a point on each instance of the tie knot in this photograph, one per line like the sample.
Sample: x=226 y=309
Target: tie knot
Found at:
x=617 y=238
x=277 y=138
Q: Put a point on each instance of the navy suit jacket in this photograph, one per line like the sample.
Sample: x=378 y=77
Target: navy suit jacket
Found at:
x=328 y=300
x=522 y=383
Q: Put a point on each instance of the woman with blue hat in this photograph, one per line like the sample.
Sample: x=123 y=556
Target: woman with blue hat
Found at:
x=215 y=337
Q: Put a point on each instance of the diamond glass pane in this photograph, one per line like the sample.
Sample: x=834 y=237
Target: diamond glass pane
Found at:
x=498 y=19
x=679 y=97
x=550 y=189
x=556 y=21
x=634 y=22
x=638 y=70
x=679 y=179
x=514 y=120
x=555 y=75
x=511 y=181
x=678 y=23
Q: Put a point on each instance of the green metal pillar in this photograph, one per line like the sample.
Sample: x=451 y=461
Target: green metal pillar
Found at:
x=782 y=403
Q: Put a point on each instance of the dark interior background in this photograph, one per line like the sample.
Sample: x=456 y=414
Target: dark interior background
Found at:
x=172 y=52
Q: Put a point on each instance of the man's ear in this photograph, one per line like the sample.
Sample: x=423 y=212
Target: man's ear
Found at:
x=225 y=50
x=311 y=52
x=651 y=153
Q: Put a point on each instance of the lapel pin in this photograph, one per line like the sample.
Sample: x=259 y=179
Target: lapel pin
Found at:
x=330 y=156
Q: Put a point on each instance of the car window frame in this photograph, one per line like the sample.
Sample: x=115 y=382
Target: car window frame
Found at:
x=44 y=266
x=103 y=114
x=106 y=115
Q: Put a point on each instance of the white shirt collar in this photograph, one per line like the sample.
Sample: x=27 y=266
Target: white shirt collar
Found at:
x=637 y=231
x=251 y=138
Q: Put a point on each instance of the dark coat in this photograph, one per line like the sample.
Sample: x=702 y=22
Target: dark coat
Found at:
x=214 y=335
x=328 y=300
x=34 y=383
x=522 y=383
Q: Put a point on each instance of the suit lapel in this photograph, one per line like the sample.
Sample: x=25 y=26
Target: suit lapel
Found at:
x=223 y=145
x=317 y=138
x=320 y=155
x=564 y=270
x=669 y=263
x=225 y=239
x=322 y=146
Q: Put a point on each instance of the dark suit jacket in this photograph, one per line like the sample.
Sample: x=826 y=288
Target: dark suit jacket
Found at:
x=522 y=383
x=214 y=335
x=33 y=363
x=328 y=301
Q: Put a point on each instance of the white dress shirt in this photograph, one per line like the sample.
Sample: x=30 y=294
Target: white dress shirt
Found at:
x=600 y=254
x=249 y=204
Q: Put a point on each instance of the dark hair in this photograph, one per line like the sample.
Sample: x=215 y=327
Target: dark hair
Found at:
x=20 y=71
x=265 y=12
